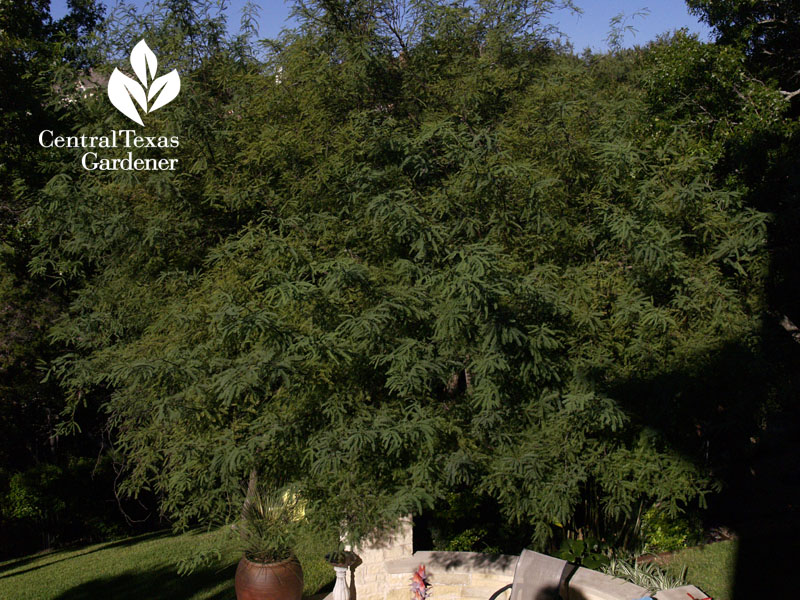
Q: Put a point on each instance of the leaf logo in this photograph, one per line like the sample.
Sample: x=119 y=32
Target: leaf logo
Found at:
x=123 y=90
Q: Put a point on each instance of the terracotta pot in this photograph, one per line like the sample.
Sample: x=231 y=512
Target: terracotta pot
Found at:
x=271 y=581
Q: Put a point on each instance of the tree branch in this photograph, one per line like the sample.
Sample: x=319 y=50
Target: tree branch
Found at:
x=790 y=95
x=790 y=328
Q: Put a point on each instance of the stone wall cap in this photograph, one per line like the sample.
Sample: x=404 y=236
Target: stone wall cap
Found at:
x=680 y=593
x=468 y=562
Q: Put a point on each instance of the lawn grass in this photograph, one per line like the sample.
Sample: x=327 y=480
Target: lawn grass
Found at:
x=710 y=567
x=138 y=568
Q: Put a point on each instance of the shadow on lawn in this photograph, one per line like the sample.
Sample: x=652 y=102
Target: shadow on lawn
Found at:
x=157 y=584
x=10 y=569
x=737 y=416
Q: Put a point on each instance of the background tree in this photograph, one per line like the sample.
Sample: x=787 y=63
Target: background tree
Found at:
x=52 y=489
x=765 y=29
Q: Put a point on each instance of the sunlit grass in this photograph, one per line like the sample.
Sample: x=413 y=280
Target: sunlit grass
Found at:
x=139 y=568
x=710 y=567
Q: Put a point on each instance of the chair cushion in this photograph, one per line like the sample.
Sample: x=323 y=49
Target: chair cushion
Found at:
x=539 y=576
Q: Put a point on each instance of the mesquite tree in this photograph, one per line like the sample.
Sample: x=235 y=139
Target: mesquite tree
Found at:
x=407 y=253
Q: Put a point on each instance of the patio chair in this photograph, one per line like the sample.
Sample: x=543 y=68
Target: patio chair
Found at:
x=538 y=577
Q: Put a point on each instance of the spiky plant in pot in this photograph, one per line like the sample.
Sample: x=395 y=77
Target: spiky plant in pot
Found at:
x=268 y=532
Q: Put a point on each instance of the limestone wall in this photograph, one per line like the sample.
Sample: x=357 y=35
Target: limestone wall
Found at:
x=387 y=563
x=452 y=575
x=371 y=579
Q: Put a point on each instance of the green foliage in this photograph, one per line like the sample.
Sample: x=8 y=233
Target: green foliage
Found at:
x=471 y=540
x=466 y=541
x=644 y=574
x=30 y=494
x=690 y=81
x=664 y=533
x=57 y=503
x=589 y=553
x=450 y=525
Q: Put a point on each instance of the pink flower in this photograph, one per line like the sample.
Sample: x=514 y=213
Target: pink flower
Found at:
x=419 y=584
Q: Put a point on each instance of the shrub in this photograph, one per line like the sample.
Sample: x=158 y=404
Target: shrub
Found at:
x=588 y=552
x=662 y=533
x=646 y=575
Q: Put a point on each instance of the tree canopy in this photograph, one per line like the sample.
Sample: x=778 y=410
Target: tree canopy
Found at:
x=407 y=254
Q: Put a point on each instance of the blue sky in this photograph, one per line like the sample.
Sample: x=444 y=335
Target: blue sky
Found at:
x=586 y=30
x=591 y=28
